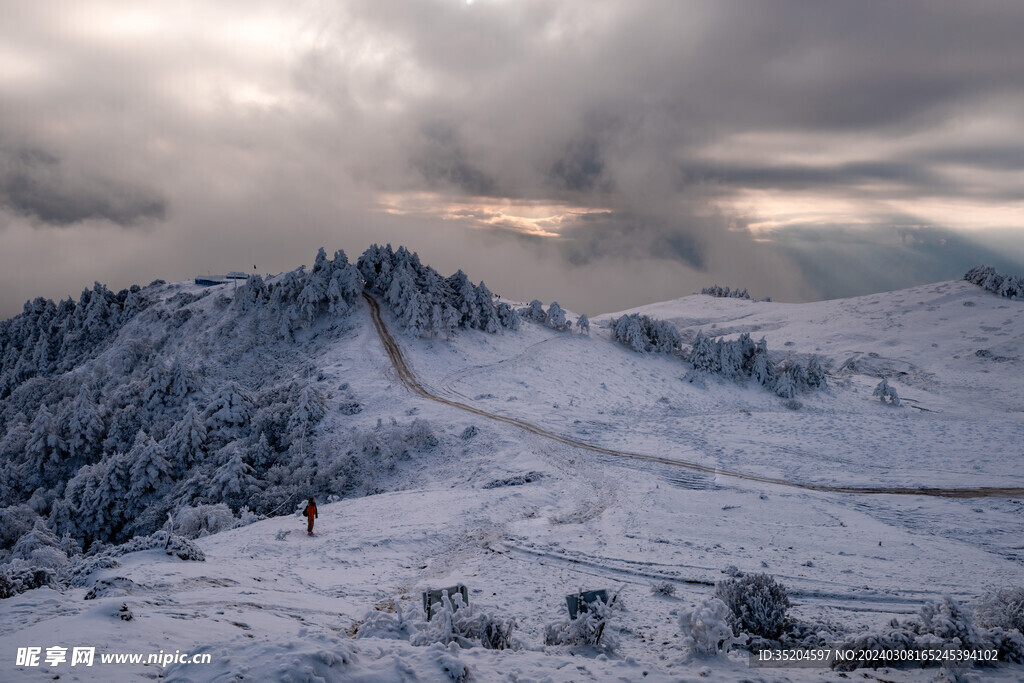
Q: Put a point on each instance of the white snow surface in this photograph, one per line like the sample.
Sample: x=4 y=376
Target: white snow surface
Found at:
x=271 y=603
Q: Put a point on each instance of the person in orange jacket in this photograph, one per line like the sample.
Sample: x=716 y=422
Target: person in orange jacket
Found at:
x=310 y=513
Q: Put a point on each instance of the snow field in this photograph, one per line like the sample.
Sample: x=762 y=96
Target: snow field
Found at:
x=270 y=602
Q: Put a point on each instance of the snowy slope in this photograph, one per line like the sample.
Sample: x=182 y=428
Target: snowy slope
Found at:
x=271 y=603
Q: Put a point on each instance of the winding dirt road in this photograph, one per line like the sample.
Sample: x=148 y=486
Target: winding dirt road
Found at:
x=407 y=377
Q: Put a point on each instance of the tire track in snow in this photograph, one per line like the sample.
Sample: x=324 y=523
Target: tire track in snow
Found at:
x=640 y=573
x=410 y=381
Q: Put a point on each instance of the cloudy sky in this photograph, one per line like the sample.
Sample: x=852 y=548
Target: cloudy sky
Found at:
x=604 y=154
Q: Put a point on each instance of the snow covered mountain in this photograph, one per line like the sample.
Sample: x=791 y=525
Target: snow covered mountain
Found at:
x=450 y=439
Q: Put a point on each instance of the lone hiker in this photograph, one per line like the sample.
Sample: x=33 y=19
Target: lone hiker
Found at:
x=310 y=513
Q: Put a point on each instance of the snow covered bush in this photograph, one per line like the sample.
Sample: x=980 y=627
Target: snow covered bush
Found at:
x=807 y=636
x=453 y=621
x=1009 y=644
x=666 y=588
x=15 y=521
x=378 y=450
x=1003 y=608
x=203 y=520
x=715 y=290
x=940 y=625
x=583 y=324
x=556 y=318
x=358 y=465
x=79 y=570
x=20 y=577
x=534 y=312
x=171 y=543
x=453 y=669
x=588 y=628
x=706 y=628
x=785 y=384
x=950 y=622
x=390 y=625
x=1004 y=285
x=757 y=604
x=180 y=547
x=886 y=394
x=40 y=547
x=645 y=334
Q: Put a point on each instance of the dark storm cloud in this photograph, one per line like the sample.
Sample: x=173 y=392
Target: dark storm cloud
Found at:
x=1008 y=157
x=442 y=162
x=855 y=65
x=631 y=136
x=898 y=175
x=34 y=183
x=632 y=237
x=580 y=168
x=877 y=70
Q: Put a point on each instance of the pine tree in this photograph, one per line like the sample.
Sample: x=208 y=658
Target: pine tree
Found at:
x=185 y=444
x=375 y=266
x=731 y=359
x=703 y=354
x=442 y=318
x=583 y=324
x=155 y=389
x=80 y=426
x=308 y=411
x=251 y=295
x=556 y=317
x=98 y=315
x=233 y=482
x=348 y=276
x=1009 y=287
x=798 y=374
x=284 y=302
x=509 y=316
x=535 y=312
x=336 y=301
x=42 y=358
x=263 y=456
x=784 y=384
x=227 y=416
x=816 y=375
x=45 y=445
x=107 y=502
x=124 y=425
x=762 y=369
x=489 y=320
x=134 y=304
x=662 y=337
x=464 y=300
x=992 y=281
x=14 y=442
x=628 y=330
x=314 y=295
x=886 y=394
x=180 y=384
x=150 y=472
x=415 y=315
x=399 y=294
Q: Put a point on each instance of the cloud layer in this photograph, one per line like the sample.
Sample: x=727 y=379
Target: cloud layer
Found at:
x=602 y=153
